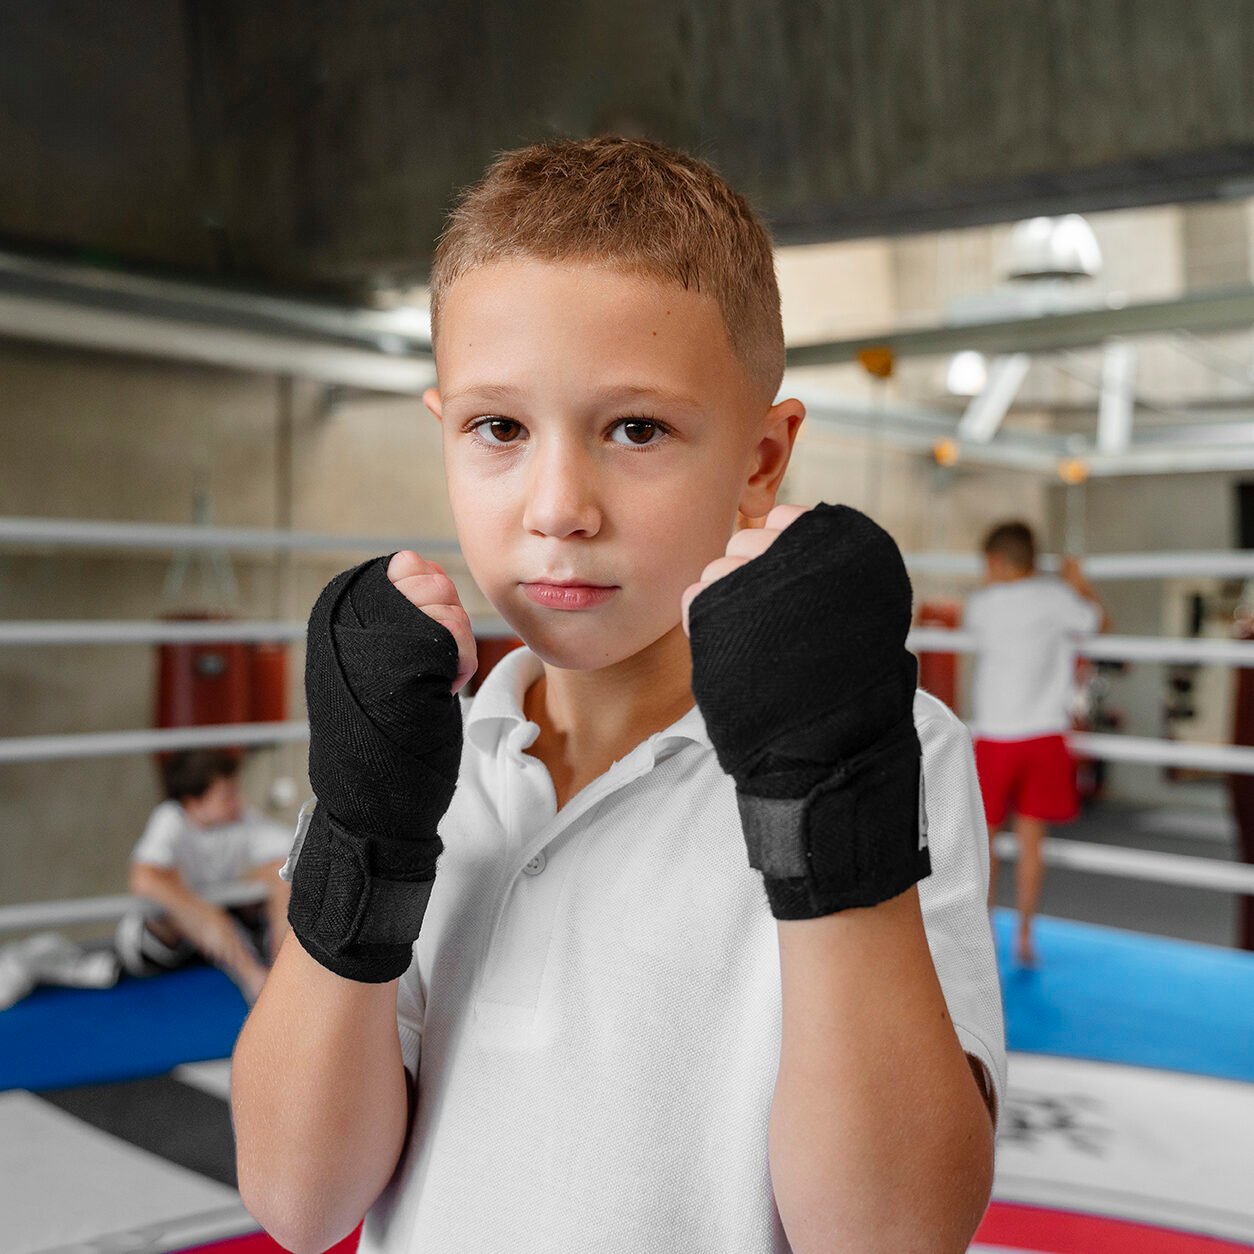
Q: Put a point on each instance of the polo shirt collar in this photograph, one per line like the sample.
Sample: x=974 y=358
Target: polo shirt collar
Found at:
x=496 y=711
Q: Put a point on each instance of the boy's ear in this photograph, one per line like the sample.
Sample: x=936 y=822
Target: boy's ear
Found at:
x=431 y=399
x=770 y=457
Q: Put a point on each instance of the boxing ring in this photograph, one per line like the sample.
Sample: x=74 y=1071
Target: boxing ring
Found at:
x=1130 y=1112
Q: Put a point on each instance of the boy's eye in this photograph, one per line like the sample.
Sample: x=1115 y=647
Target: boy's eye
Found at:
x=639 y=431
x=502 y=430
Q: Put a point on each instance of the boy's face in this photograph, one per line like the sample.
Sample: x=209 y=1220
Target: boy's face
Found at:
x=220 y=803
x=597 y=427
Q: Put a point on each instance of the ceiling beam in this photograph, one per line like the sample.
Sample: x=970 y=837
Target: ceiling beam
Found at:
x=1226 y=310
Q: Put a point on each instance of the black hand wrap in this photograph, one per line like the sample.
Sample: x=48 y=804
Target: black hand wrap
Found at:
x=384 y=751
x=800 y=670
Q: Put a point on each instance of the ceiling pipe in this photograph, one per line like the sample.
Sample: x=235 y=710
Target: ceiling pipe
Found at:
x=984 y=414
x=85 y=307
x=1118 y=399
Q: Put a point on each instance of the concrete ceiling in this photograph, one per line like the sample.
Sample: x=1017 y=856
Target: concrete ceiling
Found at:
x=312 y=146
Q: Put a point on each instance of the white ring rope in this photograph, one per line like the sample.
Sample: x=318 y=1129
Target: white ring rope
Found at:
x=1220 y=564
x=90 y=533
x=1227 y=759
x=121 y=631
x=40 y=914
x=121 y=743
x=1141 y=864
x=1208 y=651
x=175 y=631
x=85 y=533
x=1144 y=864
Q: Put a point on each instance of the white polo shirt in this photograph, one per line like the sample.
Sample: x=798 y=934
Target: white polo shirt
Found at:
x=594 y=1010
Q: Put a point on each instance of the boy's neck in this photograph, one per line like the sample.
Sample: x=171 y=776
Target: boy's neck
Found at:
x=190 y=814
x=586 y=715
x=1011 y=576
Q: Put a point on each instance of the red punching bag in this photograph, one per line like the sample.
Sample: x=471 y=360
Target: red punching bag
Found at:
x=938 y=672
x=228 y=681
x=267 y=674
x=202 y=683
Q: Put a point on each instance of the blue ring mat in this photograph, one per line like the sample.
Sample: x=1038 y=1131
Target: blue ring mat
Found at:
x=1099 y=993
x=58 y=1037
x=1115 y=996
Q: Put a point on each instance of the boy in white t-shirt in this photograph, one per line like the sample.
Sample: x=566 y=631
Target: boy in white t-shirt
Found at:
x=203 y=836
x=1025 y=625
x=607 y=1035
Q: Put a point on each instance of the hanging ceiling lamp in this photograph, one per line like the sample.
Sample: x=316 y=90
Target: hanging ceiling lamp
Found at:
x=1053 y=248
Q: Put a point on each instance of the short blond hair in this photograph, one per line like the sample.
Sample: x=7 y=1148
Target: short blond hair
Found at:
x=631 y=204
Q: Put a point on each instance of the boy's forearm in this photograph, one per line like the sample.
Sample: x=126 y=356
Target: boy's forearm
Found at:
x=320 y=1101
x=879 y=1136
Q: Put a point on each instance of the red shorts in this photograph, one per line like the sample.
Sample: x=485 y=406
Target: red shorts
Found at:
x=1034 y=778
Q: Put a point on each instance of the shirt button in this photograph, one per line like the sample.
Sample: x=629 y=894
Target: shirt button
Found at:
x=536 y=865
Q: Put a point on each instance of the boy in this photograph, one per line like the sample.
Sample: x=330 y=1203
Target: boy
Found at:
x=1024 y=624
x=608 y=1036
x=203 y=836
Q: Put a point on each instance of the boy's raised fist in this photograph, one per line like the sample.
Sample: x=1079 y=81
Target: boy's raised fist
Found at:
x=387 y=645
x=800 y=669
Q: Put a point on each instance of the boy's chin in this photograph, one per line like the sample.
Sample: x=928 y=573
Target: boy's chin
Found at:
x=569 y=649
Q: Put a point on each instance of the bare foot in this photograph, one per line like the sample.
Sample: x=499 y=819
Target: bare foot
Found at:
x=1025 y=952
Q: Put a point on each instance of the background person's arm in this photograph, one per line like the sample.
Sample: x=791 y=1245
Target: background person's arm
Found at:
x=275 y=905
x=1072 y=573
x=208 y=926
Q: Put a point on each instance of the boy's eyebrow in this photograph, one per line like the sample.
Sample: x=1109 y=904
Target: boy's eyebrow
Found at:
x=624 y=394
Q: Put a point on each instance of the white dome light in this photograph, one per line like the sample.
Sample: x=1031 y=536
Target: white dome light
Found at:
x=1053 y=248
x=967 y=374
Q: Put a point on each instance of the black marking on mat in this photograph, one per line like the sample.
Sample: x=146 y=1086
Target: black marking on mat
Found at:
x=175 y=1121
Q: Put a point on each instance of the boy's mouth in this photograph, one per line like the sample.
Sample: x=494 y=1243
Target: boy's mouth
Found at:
x=554 y=582
x=568 y=595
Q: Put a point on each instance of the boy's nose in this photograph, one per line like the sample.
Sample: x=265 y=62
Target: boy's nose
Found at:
x=562 y=496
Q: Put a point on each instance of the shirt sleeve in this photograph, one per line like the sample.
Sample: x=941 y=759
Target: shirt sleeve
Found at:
x=411 y=1013
x=954 y=897
x=158 y=846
